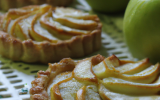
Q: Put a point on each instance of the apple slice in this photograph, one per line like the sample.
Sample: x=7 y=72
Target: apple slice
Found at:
x=100 y=70
x=11 y=17
x=77 y=23
x=89 y=92
x=74 y=90
x=53 y=27
x=127 y=87
x=112 y=61
x=57 y=28
x=38 y=33
x=92 y=93
x=134 y=67
x=146 y=76
x=106 y=94
x=53 y=89
x=106 y=69
x=68 y=89
x=57 y=79
x=22 y=27
x=72 y=13
x=81 y=93
x=83 y=71
x=9 y=24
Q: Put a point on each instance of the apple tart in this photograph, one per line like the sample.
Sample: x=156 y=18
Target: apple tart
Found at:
x=7 y=4
x=98 y=78
x=48 y=34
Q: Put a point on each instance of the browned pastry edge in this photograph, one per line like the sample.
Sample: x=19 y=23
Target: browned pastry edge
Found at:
x=30 y=51
x=46 y=52
x=40 y=84
x=7 y=4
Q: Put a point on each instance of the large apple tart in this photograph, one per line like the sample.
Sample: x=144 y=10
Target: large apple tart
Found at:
x=7 y=4
x=48 y=34
x=98 y=78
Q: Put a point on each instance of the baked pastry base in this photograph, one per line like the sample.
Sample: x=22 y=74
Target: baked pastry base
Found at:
x=31 y=51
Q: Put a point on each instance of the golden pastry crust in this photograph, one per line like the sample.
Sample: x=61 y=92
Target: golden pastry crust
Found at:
x=7 y=4
x=30 y=48
x=44 y=52
x=97 y=78
x=38 y=92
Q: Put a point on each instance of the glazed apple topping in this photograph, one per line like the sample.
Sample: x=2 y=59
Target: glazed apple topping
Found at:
x=47 y=34
x=48 y=23
x=108 y=79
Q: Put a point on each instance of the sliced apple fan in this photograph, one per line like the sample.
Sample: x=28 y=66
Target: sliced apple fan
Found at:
x=133 y=78
x=45 y=23
x=100 y=78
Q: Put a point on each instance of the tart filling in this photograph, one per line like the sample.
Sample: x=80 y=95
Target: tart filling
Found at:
x=98 y=78
x=48 y=34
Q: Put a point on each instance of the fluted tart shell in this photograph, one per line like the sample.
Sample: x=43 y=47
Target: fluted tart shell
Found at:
x=20 y=42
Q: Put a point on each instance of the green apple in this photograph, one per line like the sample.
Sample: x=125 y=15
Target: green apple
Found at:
x=108 y=6
x=142 y=29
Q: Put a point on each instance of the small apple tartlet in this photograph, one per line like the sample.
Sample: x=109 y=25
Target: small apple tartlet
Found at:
x=48 y=34
x=7 y=4
x=98 y=78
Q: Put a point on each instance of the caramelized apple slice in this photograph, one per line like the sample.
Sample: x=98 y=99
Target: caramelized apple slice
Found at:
x=10 y=25
x=23 y=26
x=92 y=93
x=54 y=90
x=106 y=94
x=38 y=33
x=135 y=67
x=81 y=93
x=112 y=62
x=68 y=89
x=12 y=15
x=83 y=71
x=106 y=68
x=72 y=13
x=77 y=23
x=89 y=92
x=131 y=88
x=16 y=15
x=57 y=79
x=146 y=76
x=100 y=70
x=53 y=26
x=57 y=28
